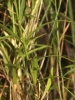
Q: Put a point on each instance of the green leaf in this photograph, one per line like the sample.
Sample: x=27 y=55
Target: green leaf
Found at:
x=34 y=69
x=14 y=73
x=47 y=87
x=33 y=3
x=49 y=82
x=52 y=70
x=21 y=10
x=70 y=71
x=6 y=58
x=37 y=49
x=46 y=2
x=9 y=31
x=70 y=92
x=69 y=66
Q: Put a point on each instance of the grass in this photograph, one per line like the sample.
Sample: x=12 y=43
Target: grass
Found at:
x=37 y=50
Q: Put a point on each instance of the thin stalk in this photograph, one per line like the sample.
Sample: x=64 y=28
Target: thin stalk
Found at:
x=55 y=19
x=59 y=52
x=73 y=31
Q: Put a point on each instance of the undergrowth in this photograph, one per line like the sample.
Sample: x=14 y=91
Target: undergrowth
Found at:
x=37 y=50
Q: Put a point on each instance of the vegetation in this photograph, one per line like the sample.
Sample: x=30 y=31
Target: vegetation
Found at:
x=37 y=43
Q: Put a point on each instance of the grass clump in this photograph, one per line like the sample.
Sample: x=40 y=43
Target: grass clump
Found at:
x=36 y=50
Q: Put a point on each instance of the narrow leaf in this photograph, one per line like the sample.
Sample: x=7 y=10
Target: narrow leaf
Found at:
x=34 y=69
x=47 y=87
x=49 y=82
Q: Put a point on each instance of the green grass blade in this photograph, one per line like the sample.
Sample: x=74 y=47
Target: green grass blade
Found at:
x=34 y=69
x=21 y=11
x=48 y=85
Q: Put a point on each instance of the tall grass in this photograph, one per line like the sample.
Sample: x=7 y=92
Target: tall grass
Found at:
x=36 y=50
